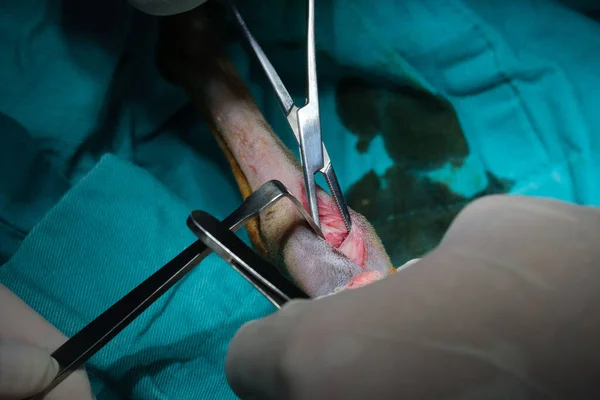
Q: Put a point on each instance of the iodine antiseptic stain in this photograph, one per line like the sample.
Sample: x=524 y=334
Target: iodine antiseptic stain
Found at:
x=411 y=214
x=421 y=132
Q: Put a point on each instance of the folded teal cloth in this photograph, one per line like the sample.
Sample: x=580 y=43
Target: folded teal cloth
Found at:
x=112 y=230
x=425 y=105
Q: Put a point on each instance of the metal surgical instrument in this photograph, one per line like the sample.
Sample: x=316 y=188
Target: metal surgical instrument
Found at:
x=305 y=121
x=214 y=235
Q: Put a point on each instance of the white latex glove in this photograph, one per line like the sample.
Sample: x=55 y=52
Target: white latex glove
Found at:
x=506 y=307
x=26 y=341
x=165 y=7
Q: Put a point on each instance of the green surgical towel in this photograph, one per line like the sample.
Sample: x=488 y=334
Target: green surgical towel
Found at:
x=106 y=235
x=425 y=105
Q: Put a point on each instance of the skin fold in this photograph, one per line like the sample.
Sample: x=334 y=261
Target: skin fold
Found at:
x=189 y=55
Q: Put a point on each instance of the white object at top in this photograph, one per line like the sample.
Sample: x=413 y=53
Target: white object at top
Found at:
x=165 y=7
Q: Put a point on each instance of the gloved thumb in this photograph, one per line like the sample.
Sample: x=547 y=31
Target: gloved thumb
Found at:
x=25 y=370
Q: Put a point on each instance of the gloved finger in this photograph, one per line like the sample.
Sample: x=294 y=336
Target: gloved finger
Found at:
x=20 y=323
x=529 y=266
x=535 y=237
x=24 y=370
x=253 y=362
x=467 y=317
x=255 y=356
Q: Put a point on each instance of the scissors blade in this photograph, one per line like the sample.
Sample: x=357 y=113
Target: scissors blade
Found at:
x=309 y=121
x=311 y=153
x=336 y=190
x=291 y=111
x=327 y=171
x=283 y=96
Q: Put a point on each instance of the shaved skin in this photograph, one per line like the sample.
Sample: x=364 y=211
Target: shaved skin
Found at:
x=344 y=260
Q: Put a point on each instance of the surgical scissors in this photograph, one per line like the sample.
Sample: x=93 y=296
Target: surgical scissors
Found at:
x=305 y=121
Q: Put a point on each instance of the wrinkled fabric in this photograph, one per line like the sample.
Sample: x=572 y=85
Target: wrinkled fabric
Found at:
x=117 y=226
x=30 y=185
x=517 y=73
x=425 y=105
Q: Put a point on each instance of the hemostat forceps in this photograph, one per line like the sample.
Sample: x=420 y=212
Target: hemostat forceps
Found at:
x=214 y=235
x=305 y=121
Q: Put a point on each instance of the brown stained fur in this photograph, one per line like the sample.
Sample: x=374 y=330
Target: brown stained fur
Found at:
x=194 y=92
x=253 y=226
x=188 y=49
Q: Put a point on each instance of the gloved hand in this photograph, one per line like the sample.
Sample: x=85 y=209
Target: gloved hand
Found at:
x=26 y=341
x=507 y=307
x=165 y=7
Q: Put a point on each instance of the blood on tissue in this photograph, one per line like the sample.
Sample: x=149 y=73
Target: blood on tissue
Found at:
x=351 y=244
x=364 y=279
